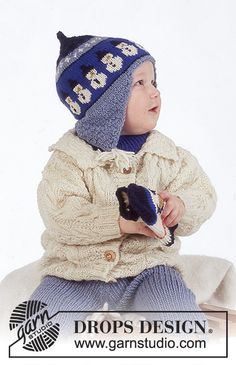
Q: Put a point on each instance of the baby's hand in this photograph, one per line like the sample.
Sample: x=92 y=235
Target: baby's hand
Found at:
x=129 y=226
x=174 y=209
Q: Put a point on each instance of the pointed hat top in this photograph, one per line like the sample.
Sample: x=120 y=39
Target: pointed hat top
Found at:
x=68 y=44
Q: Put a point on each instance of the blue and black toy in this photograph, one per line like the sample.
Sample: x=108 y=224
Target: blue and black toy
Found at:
x=139 y=203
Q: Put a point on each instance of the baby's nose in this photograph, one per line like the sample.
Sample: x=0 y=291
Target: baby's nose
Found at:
x=155 y=93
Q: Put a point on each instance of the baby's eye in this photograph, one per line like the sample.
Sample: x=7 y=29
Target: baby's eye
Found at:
x=154 y=83
x=139 y=82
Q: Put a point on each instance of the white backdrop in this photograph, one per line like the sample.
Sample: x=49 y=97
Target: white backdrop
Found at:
x=194 y=44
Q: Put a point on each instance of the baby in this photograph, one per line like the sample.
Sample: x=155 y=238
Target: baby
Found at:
x=92 y=254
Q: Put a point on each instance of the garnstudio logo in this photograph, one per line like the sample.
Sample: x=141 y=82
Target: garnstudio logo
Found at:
x=34 y=326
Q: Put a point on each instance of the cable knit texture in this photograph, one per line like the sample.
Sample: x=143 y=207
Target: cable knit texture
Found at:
x=78 y=205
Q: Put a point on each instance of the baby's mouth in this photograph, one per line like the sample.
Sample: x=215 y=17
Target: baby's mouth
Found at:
x=154 y=110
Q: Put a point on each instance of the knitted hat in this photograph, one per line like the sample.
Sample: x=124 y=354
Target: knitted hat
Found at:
x=93 y=79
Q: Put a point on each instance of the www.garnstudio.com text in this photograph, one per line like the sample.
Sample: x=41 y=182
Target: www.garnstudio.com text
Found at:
x=162 y=343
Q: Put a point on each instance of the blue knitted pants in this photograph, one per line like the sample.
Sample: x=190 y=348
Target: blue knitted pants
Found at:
x=160 y=288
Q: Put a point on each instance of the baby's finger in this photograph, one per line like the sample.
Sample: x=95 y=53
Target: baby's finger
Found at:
x=148 y=232
x=167 y=210
x=165 y=195
x=175 y=221
x=171 y=217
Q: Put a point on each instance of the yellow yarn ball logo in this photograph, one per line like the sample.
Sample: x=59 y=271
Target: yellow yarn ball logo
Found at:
x=34 y=325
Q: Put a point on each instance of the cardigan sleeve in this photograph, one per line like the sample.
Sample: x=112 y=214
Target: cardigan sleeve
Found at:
x=195 y=189
x=66 y=206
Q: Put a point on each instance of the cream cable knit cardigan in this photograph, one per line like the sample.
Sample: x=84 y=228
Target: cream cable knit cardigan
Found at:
x=77 y=202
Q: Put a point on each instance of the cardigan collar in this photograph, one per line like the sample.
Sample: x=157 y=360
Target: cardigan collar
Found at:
x=156 y=143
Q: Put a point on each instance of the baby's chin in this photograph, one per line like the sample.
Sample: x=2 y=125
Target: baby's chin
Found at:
x=135 y=132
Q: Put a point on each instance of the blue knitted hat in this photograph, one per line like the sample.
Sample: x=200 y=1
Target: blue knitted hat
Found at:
x=93 y=79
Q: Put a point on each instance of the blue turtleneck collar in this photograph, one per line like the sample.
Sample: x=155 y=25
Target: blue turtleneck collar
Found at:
x=132 y=143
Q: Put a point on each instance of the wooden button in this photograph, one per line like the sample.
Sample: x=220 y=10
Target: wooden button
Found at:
x=127 y=171
x=110 y=255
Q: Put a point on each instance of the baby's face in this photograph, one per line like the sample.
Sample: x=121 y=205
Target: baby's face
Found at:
x=144 y=102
